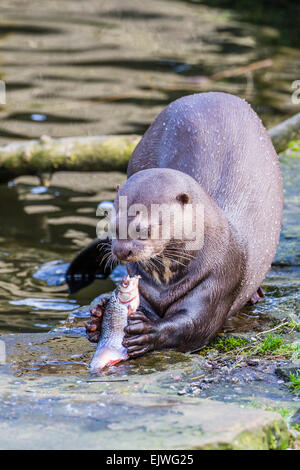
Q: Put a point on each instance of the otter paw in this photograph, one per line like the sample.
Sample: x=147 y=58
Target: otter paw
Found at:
x=140 y=335
x=257 y=297
x=93 y=327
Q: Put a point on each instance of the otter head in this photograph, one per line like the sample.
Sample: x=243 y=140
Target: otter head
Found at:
x=148 y=211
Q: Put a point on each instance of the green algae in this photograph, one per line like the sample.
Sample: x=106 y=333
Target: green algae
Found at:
x=229 y=343
x=271 y=437
x=274 y=436
x=271 y=343
x=109 y=153
x=294 y=383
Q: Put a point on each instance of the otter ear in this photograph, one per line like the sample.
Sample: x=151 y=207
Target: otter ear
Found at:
x=183 y=198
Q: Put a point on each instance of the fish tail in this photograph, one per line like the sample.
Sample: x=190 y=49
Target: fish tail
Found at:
x=105 y=357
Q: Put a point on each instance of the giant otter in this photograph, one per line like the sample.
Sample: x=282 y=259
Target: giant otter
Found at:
x=212 y=149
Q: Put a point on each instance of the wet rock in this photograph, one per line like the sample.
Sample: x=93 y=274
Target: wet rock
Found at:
x=62 y=413
x=49 y=401
x=296 y=417
x=252 y=362
x=286 y=371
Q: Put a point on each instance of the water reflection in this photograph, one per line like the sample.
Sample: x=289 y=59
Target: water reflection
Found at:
x=36 y=244
x=133 y=59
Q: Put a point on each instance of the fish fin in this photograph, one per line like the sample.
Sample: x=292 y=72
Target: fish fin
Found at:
x=113 y=362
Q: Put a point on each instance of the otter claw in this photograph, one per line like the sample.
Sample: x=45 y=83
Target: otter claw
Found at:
x=94 y=338
x=259 y=295
x=96 y=313
x=136 y=352
x=93 y=327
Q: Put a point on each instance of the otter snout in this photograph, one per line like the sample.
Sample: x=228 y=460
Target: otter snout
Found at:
x=130 y=250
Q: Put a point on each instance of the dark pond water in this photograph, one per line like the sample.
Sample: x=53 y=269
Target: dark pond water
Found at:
x=78 y=68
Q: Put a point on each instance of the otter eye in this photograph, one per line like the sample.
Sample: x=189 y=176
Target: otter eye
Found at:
x=183 y=198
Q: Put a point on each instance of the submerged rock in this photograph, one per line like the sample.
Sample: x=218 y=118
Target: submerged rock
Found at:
x=286 y=371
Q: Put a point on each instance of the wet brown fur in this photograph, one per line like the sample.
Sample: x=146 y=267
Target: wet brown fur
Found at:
x=213 y=147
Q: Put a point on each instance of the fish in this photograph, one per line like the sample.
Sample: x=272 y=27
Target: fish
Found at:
x=124 y=300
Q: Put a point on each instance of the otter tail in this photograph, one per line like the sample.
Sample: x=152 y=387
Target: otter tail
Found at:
x=88 y=264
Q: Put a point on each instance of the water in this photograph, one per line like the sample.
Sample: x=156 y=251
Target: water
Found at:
x=39 y=234
x=74 y=68
x=88 y=68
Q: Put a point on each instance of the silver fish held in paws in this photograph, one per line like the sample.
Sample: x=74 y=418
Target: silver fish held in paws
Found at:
x=124 y=300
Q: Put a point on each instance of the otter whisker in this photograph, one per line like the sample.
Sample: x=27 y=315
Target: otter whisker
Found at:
x=152 y=263
x=180 y=252
x=103 y=244
x=107 y=262
x=111 y=260
x=180 y=249
x=107 y=255
x=146 y=264
x=115 y=262
x=175 y=261
x=183 y=257
x=158 y=260
x=176 y=246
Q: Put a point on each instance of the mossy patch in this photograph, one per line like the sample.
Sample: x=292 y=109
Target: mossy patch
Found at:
x=271 y=437
x=296 y=427
x=262 y=345
x=109 y=153
x=294 y=146
x=229 y=343
x=294 y=383
x=270 y=344
x=225 y=344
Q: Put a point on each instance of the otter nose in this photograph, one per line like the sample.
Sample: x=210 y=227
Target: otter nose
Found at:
x=123 y=252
